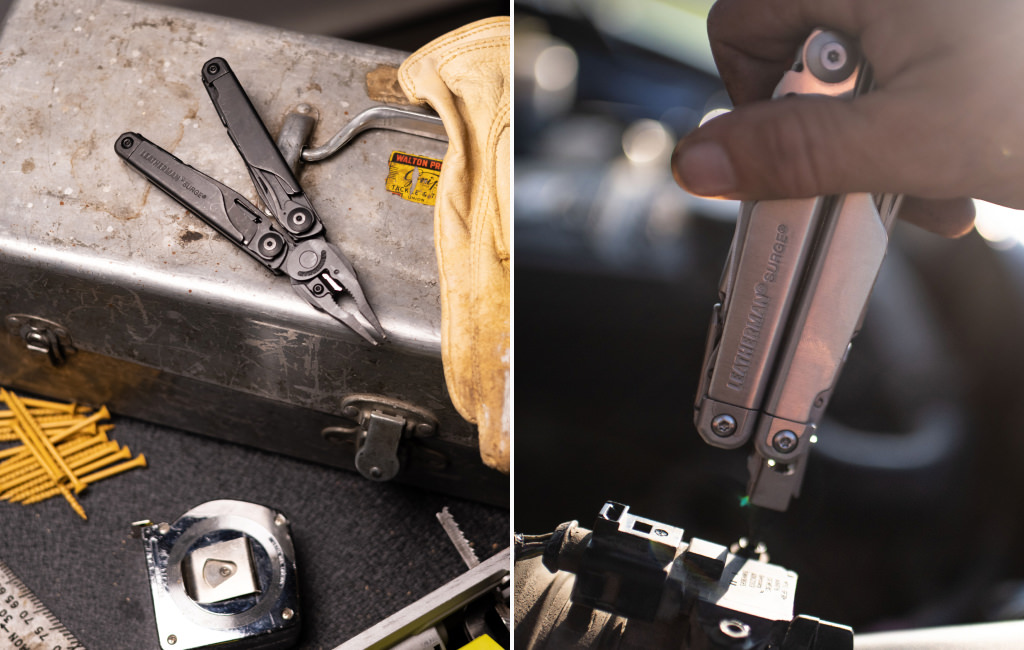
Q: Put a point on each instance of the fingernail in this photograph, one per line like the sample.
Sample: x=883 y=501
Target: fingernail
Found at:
x=704 y=169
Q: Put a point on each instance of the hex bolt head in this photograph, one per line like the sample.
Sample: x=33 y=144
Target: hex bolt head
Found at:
x=723 y=425
x=785 y=441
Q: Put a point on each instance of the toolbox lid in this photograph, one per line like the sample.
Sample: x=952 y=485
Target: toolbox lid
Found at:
x=76 y=75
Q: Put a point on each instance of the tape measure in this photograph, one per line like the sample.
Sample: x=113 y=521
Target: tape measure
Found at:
x=25 y=622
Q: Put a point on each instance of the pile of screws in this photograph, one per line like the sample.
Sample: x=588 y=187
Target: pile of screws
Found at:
x=63 y=448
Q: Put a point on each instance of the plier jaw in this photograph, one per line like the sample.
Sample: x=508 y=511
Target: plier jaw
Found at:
x=325 y=279
x=296 y=246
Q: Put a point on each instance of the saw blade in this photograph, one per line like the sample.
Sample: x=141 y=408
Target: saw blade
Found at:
x=462 y=545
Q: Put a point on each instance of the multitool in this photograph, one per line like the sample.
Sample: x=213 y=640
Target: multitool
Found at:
x=792 y=296
x=297 y=247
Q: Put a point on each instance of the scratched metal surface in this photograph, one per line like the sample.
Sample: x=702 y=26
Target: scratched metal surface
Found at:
x=77 y=74
x=155 y=298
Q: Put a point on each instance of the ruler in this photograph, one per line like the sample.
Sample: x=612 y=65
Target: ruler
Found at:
x=25 y=622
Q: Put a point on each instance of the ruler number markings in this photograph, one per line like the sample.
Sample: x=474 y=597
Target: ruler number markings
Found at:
x=19 y=606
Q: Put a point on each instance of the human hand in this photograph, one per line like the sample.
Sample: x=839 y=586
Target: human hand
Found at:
x=945 y=120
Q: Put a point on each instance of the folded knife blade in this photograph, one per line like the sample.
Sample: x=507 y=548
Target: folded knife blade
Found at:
x=793 y=295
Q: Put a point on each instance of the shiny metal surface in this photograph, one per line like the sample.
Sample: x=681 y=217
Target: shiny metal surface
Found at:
x=391 y=118
x=451 y=527
x=295 y=130
x=763 y=284
x=243 y=617
x=793 y=295
x=220 y=571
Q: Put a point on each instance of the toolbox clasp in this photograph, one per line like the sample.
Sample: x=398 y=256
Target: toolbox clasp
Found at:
x=42 y=336
x=383 y=425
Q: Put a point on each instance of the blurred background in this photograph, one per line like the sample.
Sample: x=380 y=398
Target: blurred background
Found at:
x=910 y=509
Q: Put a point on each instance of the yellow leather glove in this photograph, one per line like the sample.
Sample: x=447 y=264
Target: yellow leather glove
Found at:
x=464 y=76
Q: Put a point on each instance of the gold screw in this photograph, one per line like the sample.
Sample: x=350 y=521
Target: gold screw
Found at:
x=63 y=407
x=62 y=447
x=33 y=480
x=75 y=505
x=13 y=451
x=138 y=461
x=57 y=421
x=122 y=454
x=84 y=465
x=22 y=472
x=71 y=428
x=101 y=414
x=39 y=454
x=23 y=457
x=35 y=438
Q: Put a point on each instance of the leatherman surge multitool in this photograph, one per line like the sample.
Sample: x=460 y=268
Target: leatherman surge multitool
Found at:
x=319 y=272
x=792 y=296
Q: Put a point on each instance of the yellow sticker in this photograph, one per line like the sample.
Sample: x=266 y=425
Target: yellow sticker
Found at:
x=414 y=178
x=482 y=643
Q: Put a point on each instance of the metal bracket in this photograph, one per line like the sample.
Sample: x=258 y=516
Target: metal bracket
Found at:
x=298 y=124
x=383 y=424
x=42 y=336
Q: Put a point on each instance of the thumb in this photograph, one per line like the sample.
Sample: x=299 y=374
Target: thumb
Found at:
x=799 y=147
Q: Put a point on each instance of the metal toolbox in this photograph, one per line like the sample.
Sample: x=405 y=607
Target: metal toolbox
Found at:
x=112 y=293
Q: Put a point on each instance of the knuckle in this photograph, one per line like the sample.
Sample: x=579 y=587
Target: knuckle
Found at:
x=799 y=153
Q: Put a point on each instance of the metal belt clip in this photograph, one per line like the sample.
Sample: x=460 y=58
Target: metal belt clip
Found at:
x=223 y=575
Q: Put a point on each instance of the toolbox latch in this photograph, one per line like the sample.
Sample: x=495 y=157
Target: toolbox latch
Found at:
x=42 y=336
x=384 y=425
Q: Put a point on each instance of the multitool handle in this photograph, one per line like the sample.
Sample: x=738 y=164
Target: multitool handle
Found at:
x=277 y=186
x=795 y=287
x=215 y=203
